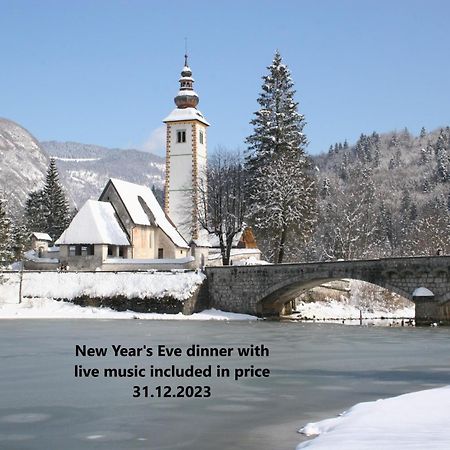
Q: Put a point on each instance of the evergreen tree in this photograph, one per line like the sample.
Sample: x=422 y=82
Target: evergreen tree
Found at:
x=55 y=202
x=423 y=133
x=5 y=234
x=159 y=195
x=47 y=210
x=442 y=157
x=19 y=239
x=36 y=212
x=279 y=187
x=325 y=191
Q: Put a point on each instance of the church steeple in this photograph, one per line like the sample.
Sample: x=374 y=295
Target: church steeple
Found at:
x=187 y=97
x=186 y=151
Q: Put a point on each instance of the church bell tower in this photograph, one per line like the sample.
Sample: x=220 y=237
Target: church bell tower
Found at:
x=186 y=140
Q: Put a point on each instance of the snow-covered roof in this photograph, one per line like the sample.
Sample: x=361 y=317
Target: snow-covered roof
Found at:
x=180 y=114
x=42 y=236
x=131 y=194
x=187 y=92
x=95 y=223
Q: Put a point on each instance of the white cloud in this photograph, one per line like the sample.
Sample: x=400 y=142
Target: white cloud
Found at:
x=156 y=142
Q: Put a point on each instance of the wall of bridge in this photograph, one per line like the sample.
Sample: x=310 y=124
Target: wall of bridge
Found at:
x=263 y=290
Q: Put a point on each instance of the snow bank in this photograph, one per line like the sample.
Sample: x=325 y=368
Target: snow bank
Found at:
x=52 y=309
x=412 y=421
x=69 y=285
x=32 y=256
x=252 y=261
x=422 y=292
x=335 y=309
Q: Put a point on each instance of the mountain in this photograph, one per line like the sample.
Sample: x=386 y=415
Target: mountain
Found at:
x=386 y=195
x=23 y=164
x=84 y=169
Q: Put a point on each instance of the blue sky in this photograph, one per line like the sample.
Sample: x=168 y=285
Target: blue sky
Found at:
x=106 y=72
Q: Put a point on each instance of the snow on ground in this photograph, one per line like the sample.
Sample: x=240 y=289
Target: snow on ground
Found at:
x=252 y=261
x=52 y=309
x=339 y=309
x=44 y=287
x=418 y=420
x=69 y=285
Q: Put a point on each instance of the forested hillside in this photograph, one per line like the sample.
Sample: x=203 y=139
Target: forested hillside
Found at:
x=388 y=195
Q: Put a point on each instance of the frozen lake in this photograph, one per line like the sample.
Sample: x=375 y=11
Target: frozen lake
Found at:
x=317 y=371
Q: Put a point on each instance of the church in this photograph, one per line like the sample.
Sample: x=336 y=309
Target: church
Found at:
x=126 y=228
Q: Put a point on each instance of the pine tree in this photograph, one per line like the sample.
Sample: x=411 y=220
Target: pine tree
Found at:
x=423 y=133
x=55 y=202
x=279 y=188
x=442 y=157
x=36 y=212
x=5 y=234
x=325 y=191
x=19 y=239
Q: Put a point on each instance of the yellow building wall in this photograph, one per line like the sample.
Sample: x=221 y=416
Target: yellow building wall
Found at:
x=148 y=240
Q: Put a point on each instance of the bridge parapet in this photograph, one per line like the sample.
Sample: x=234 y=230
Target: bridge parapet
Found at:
x=263 y=290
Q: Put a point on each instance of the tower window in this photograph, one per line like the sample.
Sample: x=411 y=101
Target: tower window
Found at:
x=181 y=136
x=201 y=137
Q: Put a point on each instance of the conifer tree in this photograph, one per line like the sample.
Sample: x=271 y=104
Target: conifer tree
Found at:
x=5 y=234
x=280 y=189
x=36 y=212
x=442 y=157
x=19 y=239
x=55 y=202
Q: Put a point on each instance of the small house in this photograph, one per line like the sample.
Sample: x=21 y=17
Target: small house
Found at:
x=40 y=242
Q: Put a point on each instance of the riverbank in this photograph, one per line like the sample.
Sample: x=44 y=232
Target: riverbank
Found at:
x=51 y=309
x=143 y=292
x=343 y=310
x=415 y=420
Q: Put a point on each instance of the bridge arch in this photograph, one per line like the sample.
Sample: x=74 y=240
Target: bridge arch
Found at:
x=277 y=296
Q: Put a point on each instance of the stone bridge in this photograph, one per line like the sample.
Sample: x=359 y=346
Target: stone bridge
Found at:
x=264 y=290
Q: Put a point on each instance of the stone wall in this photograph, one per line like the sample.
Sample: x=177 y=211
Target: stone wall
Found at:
x=263 y=290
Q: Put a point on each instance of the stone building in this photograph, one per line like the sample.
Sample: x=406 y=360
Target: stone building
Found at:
x=125 y=227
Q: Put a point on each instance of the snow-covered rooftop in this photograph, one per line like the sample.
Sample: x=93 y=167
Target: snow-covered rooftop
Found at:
x=179 y=114
x=42 y=236
x=187 y=92
x=132 y=196
x=95 y=223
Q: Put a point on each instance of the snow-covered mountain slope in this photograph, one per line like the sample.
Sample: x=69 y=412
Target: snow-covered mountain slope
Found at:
x=23 y=164
x=84 y=169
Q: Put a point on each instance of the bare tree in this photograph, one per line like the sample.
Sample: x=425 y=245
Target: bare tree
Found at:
x=222 y=208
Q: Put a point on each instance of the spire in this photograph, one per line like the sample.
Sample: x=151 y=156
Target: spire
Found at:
x=187 y=97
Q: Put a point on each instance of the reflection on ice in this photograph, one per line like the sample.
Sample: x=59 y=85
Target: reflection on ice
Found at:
x=16 y=437
x=24 y=418
x=107 y=436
